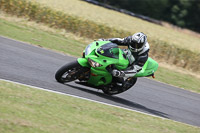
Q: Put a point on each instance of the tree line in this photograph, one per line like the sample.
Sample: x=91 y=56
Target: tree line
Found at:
x=183 y=13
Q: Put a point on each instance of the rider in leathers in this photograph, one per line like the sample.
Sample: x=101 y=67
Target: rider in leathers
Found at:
x=137 y=53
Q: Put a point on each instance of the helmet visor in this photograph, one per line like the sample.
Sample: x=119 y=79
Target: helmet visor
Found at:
x=136 y=45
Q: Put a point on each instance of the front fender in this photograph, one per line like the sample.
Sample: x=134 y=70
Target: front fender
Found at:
x=83 y=62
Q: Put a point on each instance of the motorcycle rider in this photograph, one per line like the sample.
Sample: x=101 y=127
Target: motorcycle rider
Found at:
x=137 y=53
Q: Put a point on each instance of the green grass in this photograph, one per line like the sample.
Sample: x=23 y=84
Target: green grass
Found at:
x=178 y=79
x=44 y=39
x=26 y=110
x=125 y=22
x=57 y=42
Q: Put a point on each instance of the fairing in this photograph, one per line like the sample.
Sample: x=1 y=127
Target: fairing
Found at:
x=107 y=54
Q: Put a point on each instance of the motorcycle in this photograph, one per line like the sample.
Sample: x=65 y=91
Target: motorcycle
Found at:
x=95 y=67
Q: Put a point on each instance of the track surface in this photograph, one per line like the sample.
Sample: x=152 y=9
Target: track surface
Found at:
x=36 y=66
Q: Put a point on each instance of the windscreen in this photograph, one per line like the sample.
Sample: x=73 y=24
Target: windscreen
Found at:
x=109 y=50
x=88 y=49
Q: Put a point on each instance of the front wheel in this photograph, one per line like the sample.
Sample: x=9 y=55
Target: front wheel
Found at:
x=69 y=72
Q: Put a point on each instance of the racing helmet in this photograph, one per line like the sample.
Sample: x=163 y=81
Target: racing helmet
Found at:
x=137 y=42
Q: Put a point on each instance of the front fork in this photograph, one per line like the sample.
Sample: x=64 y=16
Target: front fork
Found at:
x=97 y=77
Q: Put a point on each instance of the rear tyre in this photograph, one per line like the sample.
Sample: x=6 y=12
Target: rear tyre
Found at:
x=115 y=88
x=69 y=72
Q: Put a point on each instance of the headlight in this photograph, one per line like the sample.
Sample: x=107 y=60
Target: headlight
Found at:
x=93 y=63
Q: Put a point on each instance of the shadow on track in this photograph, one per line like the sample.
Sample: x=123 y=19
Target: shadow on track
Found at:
x=130 y=104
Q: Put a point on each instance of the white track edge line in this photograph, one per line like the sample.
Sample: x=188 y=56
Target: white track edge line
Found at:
x=57 y=92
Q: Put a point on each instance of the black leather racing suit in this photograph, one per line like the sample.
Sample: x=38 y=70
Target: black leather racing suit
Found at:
x=136 y=59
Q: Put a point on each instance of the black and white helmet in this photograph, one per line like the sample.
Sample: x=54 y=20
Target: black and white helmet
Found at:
x=137 y=43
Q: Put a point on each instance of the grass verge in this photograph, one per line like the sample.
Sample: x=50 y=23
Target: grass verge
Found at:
x=56 y=41
x=41 y=38
x=25 y=109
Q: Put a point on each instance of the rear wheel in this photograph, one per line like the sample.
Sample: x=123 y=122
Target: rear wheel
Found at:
x=117 y=87
x=70 y=72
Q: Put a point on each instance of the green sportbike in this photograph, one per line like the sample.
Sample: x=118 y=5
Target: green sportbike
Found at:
x=95 y=67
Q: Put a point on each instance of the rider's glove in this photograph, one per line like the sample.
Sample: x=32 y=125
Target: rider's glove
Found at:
x=117 y=73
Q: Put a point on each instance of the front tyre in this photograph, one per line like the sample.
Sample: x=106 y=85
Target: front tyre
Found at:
x=69 y=72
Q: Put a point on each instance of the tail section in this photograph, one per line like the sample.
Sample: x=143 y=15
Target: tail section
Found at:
x=148 y=69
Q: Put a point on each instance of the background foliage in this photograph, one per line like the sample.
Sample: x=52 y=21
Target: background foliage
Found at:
x=184 y=13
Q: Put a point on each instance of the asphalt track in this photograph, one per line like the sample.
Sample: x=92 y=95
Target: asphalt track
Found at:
x=36 y=66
